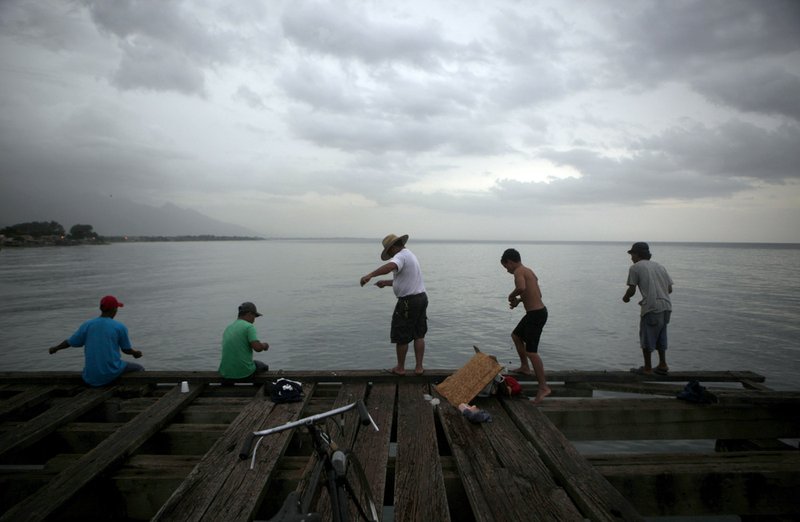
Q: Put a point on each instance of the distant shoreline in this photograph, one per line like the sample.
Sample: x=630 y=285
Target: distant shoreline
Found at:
x=33 y=242
x=151 y=239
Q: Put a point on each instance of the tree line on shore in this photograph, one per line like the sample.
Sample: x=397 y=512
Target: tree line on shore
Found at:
x=42 y=233
x=49 y=229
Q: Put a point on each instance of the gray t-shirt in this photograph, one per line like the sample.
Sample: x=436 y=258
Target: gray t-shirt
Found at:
x=654 y=283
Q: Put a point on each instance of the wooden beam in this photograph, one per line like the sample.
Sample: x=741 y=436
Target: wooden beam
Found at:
x=432 y=375
x=742 y=483
x=141 y=485
x=343 y=434
x=60 y=413
x=596 y=498
x=111 y=451
x=417 y=457
x=641 y=388
x=223 y=487
x=371 y=447
x=29 y=397
x=655 y=418
x=175 y=439
x=503 y=477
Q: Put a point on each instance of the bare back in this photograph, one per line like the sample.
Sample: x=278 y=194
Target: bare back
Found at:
x=527 y=287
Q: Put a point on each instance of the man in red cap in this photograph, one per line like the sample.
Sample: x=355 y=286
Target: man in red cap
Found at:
x=102 y=338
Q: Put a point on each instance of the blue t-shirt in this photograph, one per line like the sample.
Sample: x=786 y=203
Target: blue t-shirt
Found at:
x=102 y=339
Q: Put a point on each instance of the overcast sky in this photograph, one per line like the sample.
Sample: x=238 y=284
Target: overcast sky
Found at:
x=604 y=120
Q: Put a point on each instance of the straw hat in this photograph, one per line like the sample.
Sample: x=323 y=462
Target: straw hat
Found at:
x=389 y=241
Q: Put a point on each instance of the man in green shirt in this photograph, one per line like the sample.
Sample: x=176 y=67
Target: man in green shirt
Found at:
x=239 y=341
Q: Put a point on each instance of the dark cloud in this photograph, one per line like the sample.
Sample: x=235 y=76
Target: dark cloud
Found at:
x=250 y=97
x=735 y=149
x=143 y=67
x=343 y=32
x=769 y=90
x=681 y=164
x=718 y=47
x=374 y=105
x=165 y=47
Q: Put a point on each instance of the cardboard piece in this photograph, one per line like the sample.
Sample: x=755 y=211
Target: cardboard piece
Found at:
x=470 y=379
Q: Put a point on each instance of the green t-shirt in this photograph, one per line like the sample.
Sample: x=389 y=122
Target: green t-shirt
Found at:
x=237 y=356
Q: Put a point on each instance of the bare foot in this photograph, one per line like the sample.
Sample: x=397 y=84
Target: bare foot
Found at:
x=396 y=371
x=541 y=394
x=419 y=371
x=522 y=370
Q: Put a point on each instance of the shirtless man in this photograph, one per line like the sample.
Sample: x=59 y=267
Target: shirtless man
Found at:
x=527 y=333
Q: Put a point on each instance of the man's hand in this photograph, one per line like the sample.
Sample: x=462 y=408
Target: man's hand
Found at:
x=265 y=346
x=136 y=353
x=513 y=302
x=60 y=346
x=383 y=283
x=365 y=280
x=626 y=299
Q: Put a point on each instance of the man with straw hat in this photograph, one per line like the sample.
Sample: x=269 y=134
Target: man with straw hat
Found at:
x=409 y=320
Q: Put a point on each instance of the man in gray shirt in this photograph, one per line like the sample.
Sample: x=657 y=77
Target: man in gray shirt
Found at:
x=655 y=286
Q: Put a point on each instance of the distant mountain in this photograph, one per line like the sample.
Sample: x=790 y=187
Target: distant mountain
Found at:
x=111 y=216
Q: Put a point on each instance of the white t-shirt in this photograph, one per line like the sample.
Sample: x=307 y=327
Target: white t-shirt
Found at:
x=654 y=282
x=408 y=276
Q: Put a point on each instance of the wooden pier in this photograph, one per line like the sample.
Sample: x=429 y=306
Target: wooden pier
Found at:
x=142 y=449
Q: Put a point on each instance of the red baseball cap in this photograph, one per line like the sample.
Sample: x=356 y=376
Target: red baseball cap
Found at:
x=110 y=302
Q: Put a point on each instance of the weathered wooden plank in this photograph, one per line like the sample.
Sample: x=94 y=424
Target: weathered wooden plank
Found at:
x=596 y=498
x=114 y=449
x=742 y=483
x=245 y=489
x=142 y=484
x=49 y=420
x=725 y=445
x=175 y=439
x=417 y=456
x=643 y=388
x=504 y=478
x=656 y=418
x=375 y=375
x=204 y=410
x=194 y=495
x=752 y=385
x=788 y=399
x=342 y=434
x=31 y=396
x=371 y=447
x=223 y=487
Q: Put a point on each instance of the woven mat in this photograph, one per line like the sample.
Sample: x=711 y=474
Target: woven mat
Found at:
x=469 y=380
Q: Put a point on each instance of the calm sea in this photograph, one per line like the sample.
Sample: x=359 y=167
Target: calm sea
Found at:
x=736 y=306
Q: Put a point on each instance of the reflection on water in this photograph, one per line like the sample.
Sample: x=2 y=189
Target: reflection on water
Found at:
x=735 y=307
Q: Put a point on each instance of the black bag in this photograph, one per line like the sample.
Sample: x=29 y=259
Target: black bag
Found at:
x=286 y=390
x=696 y=392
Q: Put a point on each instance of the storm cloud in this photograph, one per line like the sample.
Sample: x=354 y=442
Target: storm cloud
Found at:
x=342 y=118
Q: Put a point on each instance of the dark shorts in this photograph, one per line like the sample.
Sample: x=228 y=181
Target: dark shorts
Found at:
x=530 y=328
x=653 y=330
x=410 y=319
x=132 y=367
x=260 y=367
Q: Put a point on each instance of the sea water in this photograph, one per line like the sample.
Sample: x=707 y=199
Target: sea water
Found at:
x=735 y=306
